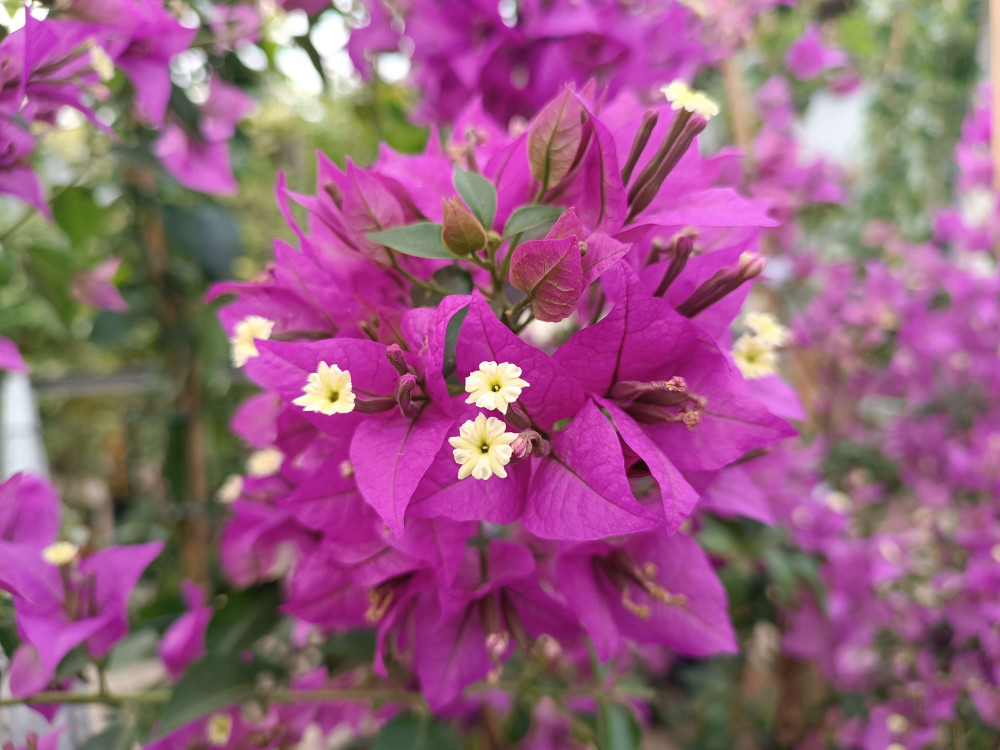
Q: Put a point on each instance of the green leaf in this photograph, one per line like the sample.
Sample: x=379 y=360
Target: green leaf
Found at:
x=77 y=214
x=529 y=217
x=73 y=663
x=217 y=681
x=617 y=728
x=348 y=650
x=9 y=639
x=450 y=363
x=421 y=240
x=409 y=732
x=52 y=272
x=479 y=195
x=138 y=646
x=517 y=725
x=115 y=737
x=246 y=616
x=207 y=234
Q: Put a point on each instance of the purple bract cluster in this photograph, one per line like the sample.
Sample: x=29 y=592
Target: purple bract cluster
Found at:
x=491 y=373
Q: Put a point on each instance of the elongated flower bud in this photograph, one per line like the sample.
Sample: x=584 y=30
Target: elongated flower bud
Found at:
x=395 y=356
x=404 y=390
x=639 y=142
x=644 y=190
x=723 y=282
x=680 y=250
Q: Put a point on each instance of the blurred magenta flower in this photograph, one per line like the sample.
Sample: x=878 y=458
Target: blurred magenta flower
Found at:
x=10 y=357
x=201 y=161
x=62 y=599
x=809 y=56
x=95 y=287
x=184 y=641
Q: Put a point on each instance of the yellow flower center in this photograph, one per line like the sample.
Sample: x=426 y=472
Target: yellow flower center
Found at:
x=60 y=553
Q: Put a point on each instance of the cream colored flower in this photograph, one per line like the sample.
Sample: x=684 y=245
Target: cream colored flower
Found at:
x=245 y=333
x=482 y=448
x=682 y=96
x=231 y=489
x=494 y=386
x=60 y=553
x=767 y=328
x=755 y=357
x=264 y=463
x=328 y=391
x=220 y=727
x=101 y=63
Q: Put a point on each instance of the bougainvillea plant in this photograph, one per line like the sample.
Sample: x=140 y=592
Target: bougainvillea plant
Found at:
x=487 y=371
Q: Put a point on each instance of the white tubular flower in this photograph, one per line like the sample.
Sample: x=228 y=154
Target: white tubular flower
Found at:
x=767 y=328
x=755 y=357
x=494 y=386
x=482 y=448
x=245 y=333
x=682 y=96
x=328 y=391
x=264 y=463
x=60 y=553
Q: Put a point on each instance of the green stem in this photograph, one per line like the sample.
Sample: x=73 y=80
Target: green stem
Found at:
x=621 y=694
x=432 y=288
x=109 y=699
x=516 y=310
x=521 y=326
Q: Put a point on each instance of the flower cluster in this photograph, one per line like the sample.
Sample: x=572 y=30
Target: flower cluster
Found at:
x=898 y=493
x=781 y=175
x=490 y=375
x=517 y=63
x=518 y=56
x=65 y=58
x=63 y=597
x=974 y=223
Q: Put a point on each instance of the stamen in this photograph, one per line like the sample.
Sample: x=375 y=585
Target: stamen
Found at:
x=379 y=600
x=639 y=610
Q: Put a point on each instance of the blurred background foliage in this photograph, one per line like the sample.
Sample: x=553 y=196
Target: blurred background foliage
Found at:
x=135 y=405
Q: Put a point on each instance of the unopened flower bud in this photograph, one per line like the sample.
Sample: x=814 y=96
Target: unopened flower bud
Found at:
x=680 y=250
x=497 y=645
x=461 y=232
x=639 y=142
x=529 y=443
x=723 y=282
x=648 y=184
x=404 y=389
x=751 y=266
x=336 y=194
x=395 y=356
